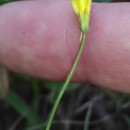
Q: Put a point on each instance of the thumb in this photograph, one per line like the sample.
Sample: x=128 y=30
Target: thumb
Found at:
x=41 y=38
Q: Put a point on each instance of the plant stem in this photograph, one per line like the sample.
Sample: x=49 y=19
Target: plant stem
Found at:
x=67 y=81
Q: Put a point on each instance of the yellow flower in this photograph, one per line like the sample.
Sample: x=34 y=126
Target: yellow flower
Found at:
x=82 y=9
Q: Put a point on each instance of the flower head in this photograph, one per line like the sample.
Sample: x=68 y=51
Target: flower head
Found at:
x=82 y=9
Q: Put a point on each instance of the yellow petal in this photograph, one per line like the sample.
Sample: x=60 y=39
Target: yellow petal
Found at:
x=82 y=9
x=89 y=5
x=75 y=6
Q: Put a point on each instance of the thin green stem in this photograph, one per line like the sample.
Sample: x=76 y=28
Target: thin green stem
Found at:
x=66 y=82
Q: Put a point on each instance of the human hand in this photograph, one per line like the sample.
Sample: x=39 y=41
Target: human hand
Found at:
x=41 y=38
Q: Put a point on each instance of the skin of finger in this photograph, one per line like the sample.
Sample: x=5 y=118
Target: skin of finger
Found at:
x=41 y=38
